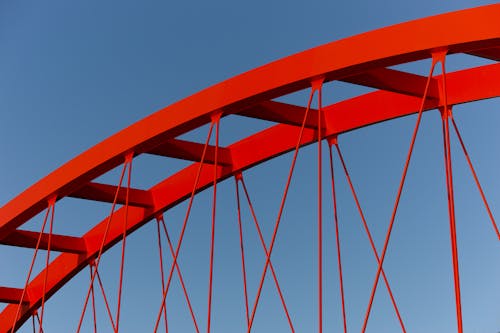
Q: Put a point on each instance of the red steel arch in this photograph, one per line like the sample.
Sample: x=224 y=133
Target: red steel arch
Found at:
x=363 y=59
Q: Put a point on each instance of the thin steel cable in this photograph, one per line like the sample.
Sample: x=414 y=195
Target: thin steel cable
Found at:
x=106 y=303
x=181 y=279
x=39 y=321
x=212 y=239
x=451 y=201
x=162 y=274
x=181 y=236
x=280 y=211
x=398 y=196
x=30 y=271
x=476 y=178
x=337 y=240
x=101 y=248
x=47 y=262
x=94 y=314
x=320 y=220
x=271 y=266
x=242 y=249
x=129 y=159
x=369 y=234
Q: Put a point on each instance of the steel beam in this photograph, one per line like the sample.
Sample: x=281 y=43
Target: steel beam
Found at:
x=12 y=295
x=106 y=193
x=395 y=81
x=192 y=151
x=29 y=239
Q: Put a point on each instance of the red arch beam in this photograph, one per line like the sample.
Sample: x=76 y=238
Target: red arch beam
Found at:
x=341 y=117
x=462 y=31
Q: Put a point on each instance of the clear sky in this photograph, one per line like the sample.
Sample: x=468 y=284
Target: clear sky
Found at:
x=74 y=73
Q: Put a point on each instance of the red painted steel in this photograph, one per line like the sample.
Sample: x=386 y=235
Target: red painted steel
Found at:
x=60 y=243
x=192 y=151
x=106 y=193
x=361 y=59
x=12 y=295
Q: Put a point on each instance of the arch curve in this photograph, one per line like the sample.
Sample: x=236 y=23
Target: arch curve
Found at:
x=361 y=59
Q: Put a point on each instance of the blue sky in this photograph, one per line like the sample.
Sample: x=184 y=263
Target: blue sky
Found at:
x=73 y=74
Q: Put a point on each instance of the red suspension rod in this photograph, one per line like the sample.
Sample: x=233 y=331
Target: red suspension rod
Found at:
x=398 y=196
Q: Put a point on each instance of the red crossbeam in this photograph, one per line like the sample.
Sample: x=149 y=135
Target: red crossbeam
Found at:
x=107 y=193
x=192 y=151
x=60 y=243
x=12 y=295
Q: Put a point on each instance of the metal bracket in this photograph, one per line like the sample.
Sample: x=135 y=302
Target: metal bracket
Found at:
x=332 y=140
